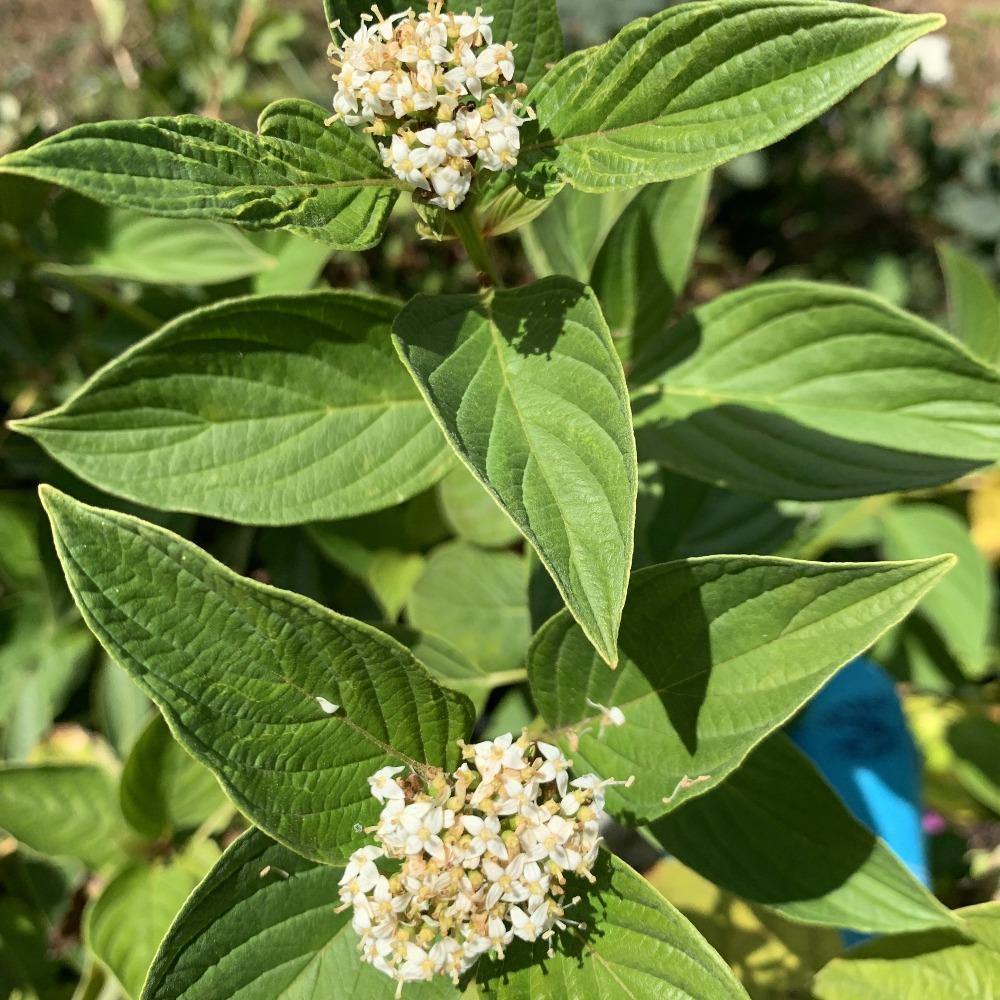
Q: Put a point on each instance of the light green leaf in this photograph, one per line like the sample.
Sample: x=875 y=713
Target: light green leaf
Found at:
x=774 y=958
x=795 y=390
x=477 y=601
x=472 y=513
x=388 y=572
x=530 y=393
x=66 y=810
x=126 y=923
x=716 y=653
x=297 y=173
x=163 y=788
x=302 y=395
x=799 y=850
x=120 y=706
x=237 y=669
x=634 y=946
x=568 y=236
x=298 y=263
x=699 y=84
x=643 y=265
x=962 y=609
x=41 y=662
x=933 y=964
x=975 y=743
x=263 y=925
x=973 y=304
x=127 y=246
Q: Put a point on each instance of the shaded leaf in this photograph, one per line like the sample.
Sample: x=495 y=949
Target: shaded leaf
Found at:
x=530 y=393
x=163 y=788
x=472 y=513
x=799 y=851
x=643 y=265
x=237 y=668
x=717 y=652
x=975 y=743
x=302 y=395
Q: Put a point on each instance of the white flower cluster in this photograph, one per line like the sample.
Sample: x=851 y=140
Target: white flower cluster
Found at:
x=473 y=860
x=441 y=88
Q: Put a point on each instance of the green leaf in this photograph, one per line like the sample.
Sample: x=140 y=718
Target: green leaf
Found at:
x=297 y=173
x=472 y=513
x=530 y=393
x=568 y=236
x=963 y=609
x=533 y=26
x=66 y=810
x=126 y=923
x=298 y=263
x=643 y=265
x=127 y=246
x=841 y=875
x=477 y=601
x=795 y=390
x=774 y=958
x=237 y=669
x=163 y=788
x=933 y=964
x=634 y=946
x=27 y=969
x=388 y=572
x=973 y=304
x=263 y=925
x=453 y=669
x=716 y=653
x=120 y=706
x=975 y=743
x=302 y=395
x=699 y=84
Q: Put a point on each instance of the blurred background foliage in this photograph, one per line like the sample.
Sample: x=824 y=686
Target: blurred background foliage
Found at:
x=897 y=189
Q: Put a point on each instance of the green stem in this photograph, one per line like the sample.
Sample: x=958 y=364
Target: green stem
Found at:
x=466 y=227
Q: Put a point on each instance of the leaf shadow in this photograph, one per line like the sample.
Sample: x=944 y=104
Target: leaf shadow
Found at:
x=534 y=324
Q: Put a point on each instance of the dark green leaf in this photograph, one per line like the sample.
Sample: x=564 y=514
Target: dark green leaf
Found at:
x=263 y=925
x=238 y=670
x=472 y=513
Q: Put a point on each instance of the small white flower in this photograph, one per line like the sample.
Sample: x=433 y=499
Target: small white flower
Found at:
x=327 y=706
x=496 y=60
x=555 y=767
x=609 y=716
x=472 y=25
x=442 y=143
x=930 y=57
x=485 y=836
x=383 y=783
x=407 y=163
x=529 y=926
